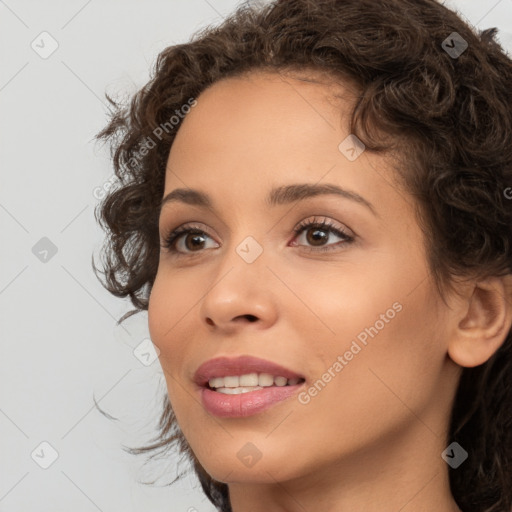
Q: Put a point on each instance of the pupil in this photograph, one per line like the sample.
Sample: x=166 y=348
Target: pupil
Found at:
x=195 y=237
x=316 y=237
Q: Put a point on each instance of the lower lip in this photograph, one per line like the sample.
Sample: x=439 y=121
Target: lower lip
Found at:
x=245 y=404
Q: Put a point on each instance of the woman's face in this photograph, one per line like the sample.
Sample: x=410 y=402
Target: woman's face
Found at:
x=349 y=307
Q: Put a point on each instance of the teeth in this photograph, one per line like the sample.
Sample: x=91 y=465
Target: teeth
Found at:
x=280 y=381
x=250 y=381
x=265 y=379
x=232 y=382
x=237 y=391
x=216 y=382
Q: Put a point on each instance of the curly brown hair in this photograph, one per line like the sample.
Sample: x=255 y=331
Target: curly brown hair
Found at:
x=449 y=117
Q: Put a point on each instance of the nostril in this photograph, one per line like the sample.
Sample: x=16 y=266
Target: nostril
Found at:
x=251 y=318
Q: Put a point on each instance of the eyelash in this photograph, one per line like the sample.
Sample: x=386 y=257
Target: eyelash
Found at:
x=171 y=239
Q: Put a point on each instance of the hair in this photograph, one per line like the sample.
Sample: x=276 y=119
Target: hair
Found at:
x=448 y=118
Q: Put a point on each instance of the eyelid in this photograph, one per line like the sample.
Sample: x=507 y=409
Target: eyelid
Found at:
x=325 y=222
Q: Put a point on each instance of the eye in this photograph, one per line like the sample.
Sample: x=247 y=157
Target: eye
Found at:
x=319 y=232
x=194 y=237
x=188 y=239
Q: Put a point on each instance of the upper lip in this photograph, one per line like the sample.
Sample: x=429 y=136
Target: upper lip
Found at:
x=241 y=365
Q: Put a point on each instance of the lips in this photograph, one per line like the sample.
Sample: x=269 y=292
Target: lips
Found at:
x=226 y=366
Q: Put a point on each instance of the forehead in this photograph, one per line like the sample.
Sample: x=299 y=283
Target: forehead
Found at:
x=275 y=92
x=259 y=131
x=263 y=114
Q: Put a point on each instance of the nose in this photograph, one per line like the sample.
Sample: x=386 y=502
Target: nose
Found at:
x=241 y=294
x=250 y=318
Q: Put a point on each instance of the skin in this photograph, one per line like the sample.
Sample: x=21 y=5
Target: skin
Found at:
x=372 y=438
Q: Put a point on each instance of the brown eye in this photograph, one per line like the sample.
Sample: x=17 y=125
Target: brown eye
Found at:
x=316 y=236
x=193 y=240
x=318 y=233
x=185 y=240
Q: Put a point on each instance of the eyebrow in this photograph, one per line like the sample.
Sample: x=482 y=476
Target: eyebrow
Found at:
x=277 y=196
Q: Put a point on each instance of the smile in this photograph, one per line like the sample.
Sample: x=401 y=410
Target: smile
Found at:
x=244 y=385
x=237 y=384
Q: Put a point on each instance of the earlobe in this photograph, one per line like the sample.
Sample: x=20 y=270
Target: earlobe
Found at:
x=484 y=322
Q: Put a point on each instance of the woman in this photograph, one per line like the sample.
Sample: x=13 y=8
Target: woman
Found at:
x=315 y=212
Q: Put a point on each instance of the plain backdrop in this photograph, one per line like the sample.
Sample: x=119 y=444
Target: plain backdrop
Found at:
x=60 y=345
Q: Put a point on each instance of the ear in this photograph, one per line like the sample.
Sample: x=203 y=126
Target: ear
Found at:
x=484 y=321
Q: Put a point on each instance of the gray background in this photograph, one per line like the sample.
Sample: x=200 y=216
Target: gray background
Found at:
x=60 y=345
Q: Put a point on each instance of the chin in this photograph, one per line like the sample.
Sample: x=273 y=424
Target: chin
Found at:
x=266 y=470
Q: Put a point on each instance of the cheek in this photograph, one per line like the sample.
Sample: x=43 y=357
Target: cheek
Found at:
x=169 y=305
x=388 y=331
x=173 y=301
x=389 y=368
x=401 y=340
x=376 y=395
x=160 y=313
